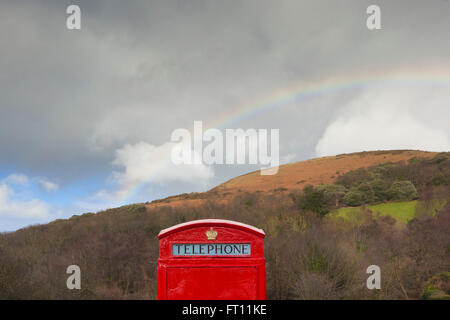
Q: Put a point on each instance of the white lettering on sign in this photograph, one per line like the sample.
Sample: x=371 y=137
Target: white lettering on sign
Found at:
x=211 y=249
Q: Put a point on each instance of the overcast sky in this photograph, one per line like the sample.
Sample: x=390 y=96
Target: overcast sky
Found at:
x=86 y=115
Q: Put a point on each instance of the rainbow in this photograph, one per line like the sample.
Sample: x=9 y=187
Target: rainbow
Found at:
x=304 y=90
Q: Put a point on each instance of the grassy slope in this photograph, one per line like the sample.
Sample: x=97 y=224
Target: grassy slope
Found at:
x=402 y=211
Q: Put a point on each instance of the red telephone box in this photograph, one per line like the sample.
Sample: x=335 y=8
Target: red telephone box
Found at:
x=211 y=259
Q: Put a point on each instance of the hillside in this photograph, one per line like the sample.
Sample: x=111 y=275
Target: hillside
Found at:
x=399 y=220
x=317 y=171
x=295 y=176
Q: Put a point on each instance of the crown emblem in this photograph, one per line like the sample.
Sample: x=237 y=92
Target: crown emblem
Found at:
x=211 y=234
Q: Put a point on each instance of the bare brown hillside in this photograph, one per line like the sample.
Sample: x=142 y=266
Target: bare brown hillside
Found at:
x=294 y=175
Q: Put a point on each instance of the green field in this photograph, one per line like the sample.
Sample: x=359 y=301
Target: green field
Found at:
x=402 y=211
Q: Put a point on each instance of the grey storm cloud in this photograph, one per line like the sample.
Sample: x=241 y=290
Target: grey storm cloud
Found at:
x=138 y=70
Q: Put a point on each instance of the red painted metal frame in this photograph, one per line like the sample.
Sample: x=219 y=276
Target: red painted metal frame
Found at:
x=228 y=232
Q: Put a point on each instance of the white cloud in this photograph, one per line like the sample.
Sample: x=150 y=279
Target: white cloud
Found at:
x=9 y=206
x=48 y=185
x=18 y=179
x=388 y=120
x=143 y=163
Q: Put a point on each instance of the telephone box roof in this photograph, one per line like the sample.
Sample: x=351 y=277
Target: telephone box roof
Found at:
x=213 y=223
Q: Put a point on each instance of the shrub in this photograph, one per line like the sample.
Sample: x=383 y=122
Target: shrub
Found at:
x=366 y=192
x=438 y=287
x=385 y=169
x=440 y=179
x=354 y=198
x=403 y=190
x=379 y=189
x=249 y=202
x=333 y=192
x=313 y=200
x=354 y=177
